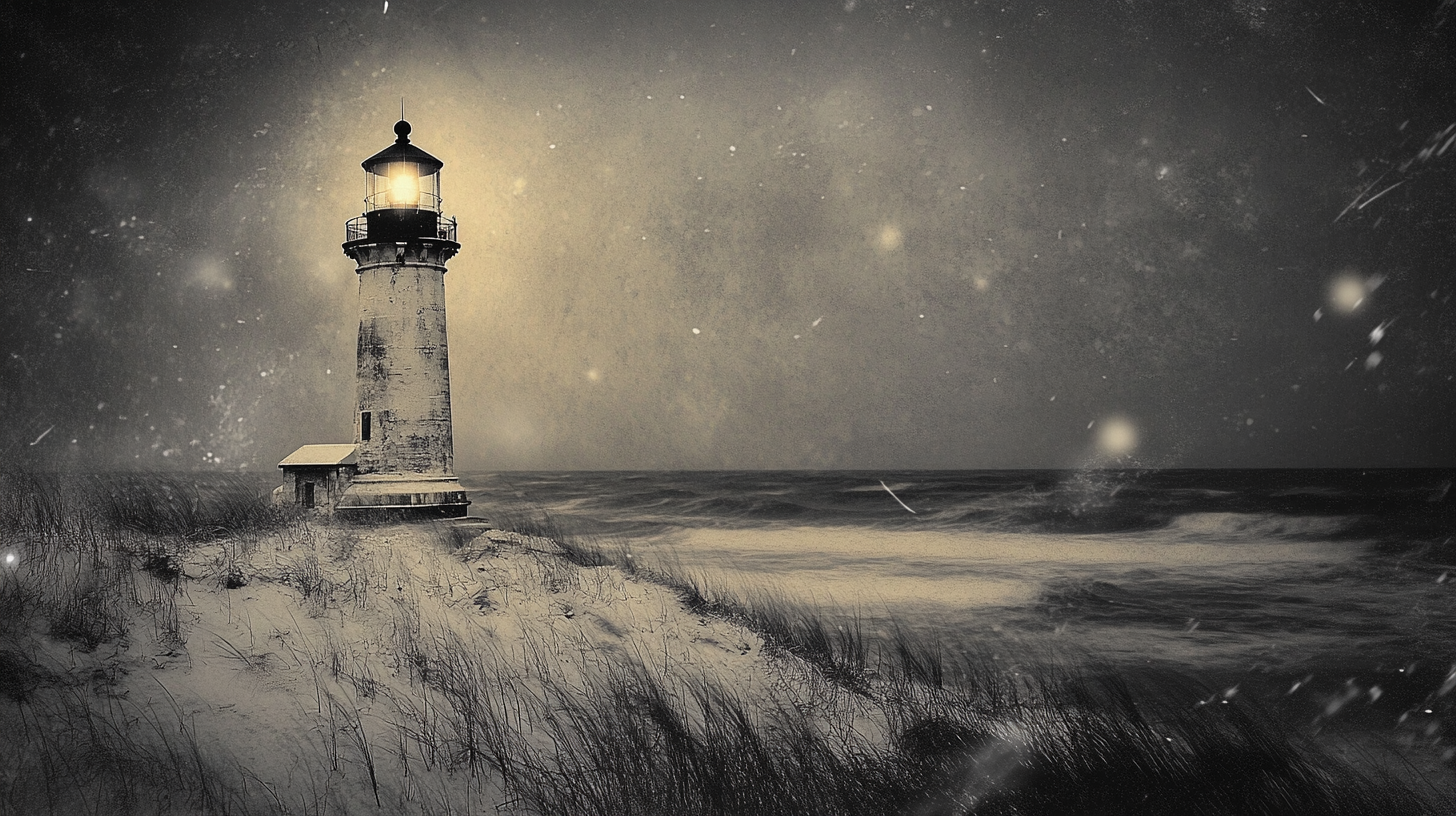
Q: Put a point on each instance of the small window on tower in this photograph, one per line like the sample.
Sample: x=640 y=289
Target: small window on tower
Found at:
x=364 y=422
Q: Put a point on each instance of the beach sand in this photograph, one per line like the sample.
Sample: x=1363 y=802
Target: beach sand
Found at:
x=293 y=684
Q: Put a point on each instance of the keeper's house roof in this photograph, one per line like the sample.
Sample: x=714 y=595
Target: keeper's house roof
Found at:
x=322 y=456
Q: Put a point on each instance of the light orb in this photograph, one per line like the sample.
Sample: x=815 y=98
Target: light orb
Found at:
x=1116 y=436
x=1348 y=292
x=890 y=238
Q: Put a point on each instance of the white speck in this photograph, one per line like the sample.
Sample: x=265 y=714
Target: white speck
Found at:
x=10 y=558
x=732 y=149
x=1249 y=421
x=1053 y=399
x=551 y=147
x=1373 y=360
x=328 y=371
x=649 y=96
x=1377 y=333
x=262 y=373
x=1318 y=313
x=696 y=331
x=817 y=321
x=42 y=435
x=796 y=337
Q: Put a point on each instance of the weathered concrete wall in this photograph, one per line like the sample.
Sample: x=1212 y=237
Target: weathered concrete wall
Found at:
x=403 y=364
x=329 y=482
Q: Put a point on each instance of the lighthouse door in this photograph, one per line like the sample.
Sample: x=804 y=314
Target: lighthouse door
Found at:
x=308 y=495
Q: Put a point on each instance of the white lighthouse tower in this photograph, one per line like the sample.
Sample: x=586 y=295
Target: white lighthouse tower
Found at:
x=405 y=459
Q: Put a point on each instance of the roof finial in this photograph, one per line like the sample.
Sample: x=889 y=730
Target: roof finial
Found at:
x=401 y=128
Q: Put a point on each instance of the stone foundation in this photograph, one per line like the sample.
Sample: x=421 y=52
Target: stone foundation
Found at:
x=402 y=497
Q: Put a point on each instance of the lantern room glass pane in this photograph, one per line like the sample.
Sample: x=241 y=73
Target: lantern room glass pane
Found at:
x=399 y=185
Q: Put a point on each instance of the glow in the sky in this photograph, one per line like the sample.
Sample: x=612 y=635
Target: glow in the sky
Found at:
x=1348 y=291
x=1116 y=436
x=890 y=238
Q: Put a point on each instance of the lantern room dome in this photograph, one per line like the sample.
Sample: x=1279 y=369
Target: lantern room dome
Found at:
x=403 y=151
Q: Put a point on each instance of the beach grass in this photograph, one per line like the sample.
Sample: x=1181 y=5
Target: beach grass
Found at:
x=176 y=646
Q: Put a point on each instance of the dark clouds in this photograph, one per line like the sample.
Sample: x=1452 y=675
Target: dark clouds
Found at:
x=1100 y=210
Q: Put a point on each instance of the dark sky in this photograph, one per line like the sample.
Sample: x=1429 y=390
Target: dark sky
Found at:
x=851 y=234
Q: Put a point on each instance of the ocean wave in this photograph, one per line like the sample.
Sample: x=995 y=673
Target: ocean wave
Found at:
x=1191 y=505
x=1097 y=599
x=1244 y=527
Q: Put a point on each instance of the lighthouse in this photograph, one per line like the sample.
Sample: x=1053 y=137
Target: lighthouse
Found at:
x=404 y=459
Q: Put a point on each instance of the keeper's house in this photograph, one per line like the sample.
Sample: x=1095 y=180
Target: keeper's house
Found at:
x=317 y=475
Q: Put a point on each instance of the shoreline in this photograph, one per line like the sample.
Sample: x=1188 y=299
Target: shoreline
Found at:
x=293 y=665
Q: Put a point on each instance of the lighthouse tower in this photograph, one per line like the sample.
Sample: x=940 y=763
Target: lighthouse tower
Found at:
x=405 y=456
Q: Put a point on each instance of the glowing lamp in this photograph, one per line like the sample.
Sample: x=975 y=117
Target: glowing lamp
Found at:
x=404 y=190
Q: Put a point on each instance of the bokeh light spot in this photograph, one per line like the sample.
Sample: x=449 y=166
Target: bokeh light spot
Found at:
x=890 y=238
x=1116 y=436
x=1348 y=291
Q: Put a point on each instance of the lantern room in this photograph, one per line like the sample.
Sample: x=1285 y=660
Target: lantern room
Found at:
x=401 y=195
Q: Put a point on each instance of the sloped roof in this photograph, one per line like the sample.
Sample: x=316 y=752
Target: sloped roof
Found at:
x=402 y=150
x=322 y=456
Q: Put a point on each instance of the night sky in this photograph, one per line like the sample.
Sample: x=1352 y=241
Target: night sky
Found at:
x=850 y=234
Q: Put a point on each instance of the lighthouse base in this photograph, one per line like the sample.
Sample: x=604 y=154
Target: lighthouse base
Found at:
x=400 y=497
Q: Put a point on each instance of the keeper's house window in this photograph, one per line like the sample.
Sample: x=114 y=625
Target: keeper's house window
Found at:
x=365 y=418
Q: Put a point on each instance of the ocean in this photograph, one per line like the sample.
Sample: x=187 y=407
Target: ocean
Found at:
x=1330 y=595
